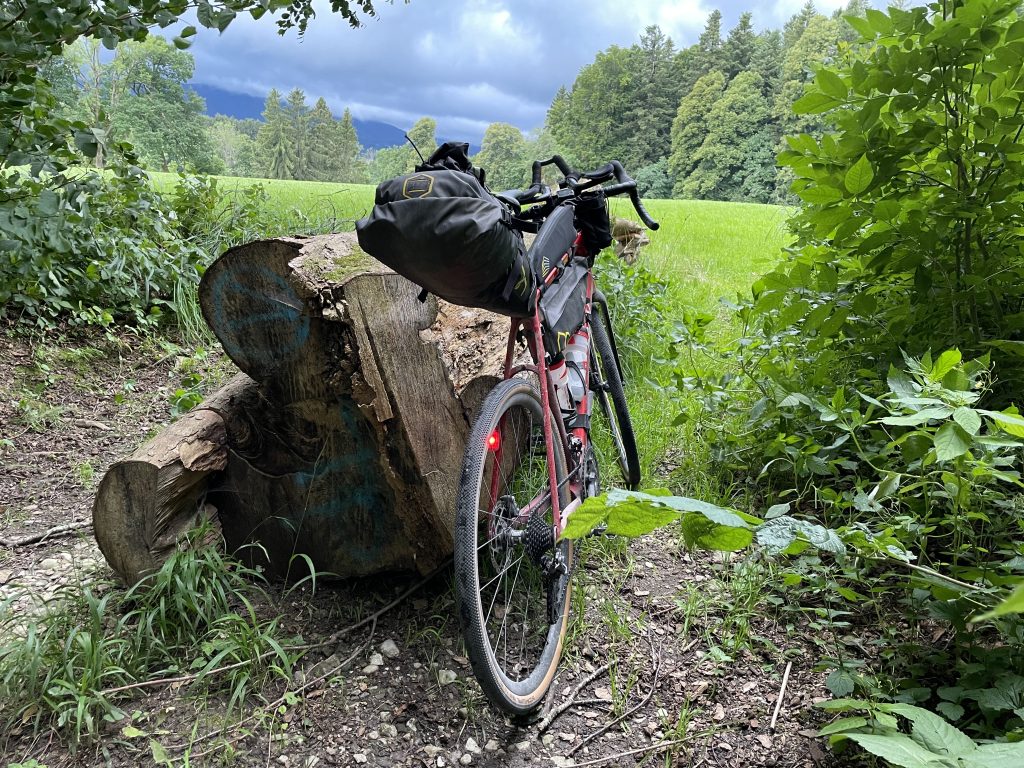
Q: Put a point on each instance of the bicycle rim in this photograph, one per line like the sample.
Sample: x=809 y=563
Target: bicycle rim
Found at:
x=606 y=383
x=513 y=615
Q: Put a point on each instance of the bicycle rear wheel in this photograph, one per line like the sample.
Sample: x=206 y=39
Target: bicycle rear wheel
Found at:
x=511 y=578
x=606 y=383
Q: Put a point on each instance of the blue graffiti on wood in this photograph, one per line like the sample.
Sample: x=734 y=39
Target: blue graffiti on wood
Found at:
x=275 y=309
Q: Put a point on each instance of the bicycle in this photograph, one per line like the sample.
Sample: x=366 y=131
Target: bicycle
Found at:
x=529 y=461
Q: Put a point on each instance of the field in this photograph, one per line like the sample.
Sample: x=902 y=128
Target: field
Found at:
x=685 y=636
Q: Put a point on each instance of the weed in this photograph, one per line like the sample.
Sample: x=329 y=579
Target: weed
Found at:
x=86 y=473
x=38 y=415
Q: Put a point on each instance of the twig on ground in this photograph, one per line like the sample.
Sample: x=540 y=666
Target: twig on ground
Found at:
x=656 y=659
x=57 y=530
x=571 y=701
x=640 y=751
x=782 y=693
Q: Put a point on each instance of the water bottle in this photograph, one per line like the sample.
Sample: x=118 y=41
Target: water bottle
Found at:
x=560 y=379
x=577 y=351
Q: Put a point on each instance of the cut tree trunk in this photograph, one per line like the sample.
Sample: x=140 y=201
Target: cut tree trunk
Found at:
x=346 y=445
x=147 y=502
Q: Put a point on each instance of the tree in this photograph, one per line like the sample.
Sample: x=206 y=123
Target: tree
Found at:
x=323 y=162
x=235 y=148
x=738 y=49
x=424 y=135
x=296 y=114
x=709 y=46
x=691 y=126
x=352 y=167
x=596 y=127
x=503 y=154
x=655 y=99
x=150 y=105
x=274 y=140
x=767 y=61
x=798 y=23
x=734 y=120
x=654 y=181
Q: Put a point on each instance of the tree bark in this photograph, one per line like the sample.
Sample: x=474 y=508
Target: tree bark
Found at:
x=345 y=444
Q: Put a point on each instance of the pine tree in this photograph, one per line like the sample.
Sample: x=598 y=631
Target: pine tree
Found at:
x=277 y=157
x=709 y=46
x=767 y=61
x=795 y=27
x=297 y=114
x=738 y=49
x=656 y=99
x=322 y=160
x=352 y=168
x=691 y=126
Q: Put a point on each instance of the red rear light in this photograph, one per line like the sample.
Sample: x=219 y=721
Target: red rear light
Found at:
x=493 y=441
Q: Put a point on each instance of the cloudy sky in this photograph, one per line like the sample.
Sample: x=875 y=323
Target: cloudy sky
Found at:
x=466 y=63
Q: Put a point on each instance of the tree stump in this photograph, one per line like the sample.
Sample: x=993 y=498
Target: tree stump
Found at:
x=345 y=442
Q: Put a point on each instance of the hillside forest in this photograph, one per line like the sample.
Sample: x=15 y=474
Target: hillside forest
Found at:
x=700 y=122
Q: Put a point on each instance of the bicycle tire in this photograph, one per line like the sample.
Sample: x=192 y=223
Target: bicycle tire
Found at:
x=512 y=409
x=607 y=380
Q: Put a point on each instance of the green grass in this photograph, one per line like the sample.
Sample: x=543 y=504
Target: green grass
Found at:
x=318 y=201
x=705 y=251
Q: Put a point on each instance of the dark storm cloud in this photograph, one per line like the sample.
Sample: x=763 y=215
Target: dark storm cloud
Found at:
x=465 y=63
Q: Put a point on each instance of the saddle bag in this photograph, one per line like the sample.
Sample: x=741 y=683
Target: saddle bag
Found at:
x=443 y=230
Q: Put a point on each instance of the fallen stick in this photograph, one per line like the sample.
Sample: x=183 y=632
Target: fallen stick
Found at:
x=571 y=701
x=656 y=658
x=640 y=751
x=57 y=530
x=782 y=693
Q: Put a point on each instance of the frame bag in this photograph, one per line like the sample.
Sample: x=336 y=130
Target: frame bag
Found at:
x=562 y=304
x=443 y=230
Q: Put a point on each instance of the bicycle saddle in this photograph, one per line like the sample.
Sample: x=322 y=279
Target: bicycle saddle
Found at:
x=554 y=239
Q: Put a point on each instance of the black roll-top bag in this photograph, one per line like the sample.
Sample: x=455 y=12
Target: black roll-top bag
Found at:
x=445 y=232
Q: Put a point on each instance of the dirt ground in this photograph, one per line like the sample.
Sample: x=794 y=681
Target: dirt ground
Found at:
x=700 y=683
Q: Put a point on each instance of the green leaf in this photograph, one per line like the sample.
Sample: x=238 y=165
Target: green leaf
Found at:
x=932 y=732
x=843 y=724
x=820 y=195
x=591 y=513
x=637 y=519
x=813 y=103
x=947 y=361
x=700 y=532
x=995 y=756
x=1008 y=422
x=899 y=750
x=1014 y=603
x=859 y=176
x=131 y=732
x=951 y=441
x=967 y=418
x=921 y=417
x=832 y=84
x=878 y=21
x=861 y=25
x=840 y=682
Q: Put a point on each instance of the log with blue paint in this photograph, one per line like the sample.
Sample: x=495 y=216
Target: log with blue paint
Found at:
x=343 y=439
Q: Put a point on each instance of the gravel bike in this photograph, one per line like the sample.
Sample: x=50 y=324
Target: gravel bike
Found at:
x=529 y=461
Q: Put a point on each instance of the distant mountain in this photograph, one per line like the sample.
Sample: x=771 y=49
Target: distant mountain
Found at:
x=373 y=134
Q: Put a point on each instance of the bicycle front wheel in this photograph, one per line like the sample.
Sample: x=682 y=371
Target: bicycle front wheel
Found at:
x=511 y=577
x=606 y=383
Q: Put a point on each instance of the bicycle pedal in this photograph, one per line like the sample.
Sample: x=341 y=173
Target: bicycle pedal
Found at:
x=598 y=530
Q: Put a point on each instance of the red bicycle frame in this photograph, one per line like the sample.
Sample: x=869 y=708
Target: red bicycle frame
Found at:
x=535 y=343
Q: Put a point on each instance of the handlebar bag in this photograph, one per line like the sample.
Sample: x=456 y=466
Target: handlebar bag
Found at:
x=445 y=232
x=593 y=221
x=562 y=305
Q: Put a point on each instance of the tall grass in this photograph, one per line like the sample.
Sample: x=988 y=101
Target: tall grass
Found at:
x=74 y=661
